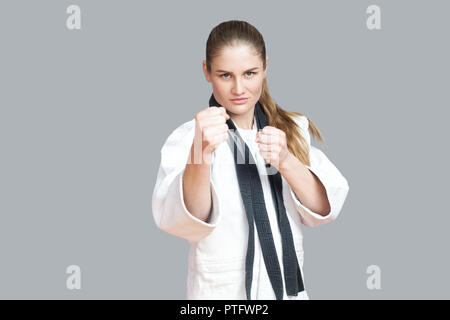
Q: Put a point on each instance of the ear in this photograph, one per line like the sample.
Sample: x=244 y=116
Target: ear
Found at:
x=205 y=71
x=267 y=63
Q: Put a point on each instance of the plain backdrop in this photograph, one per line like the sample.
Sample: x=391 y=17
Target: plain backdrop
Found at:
x=84 y=114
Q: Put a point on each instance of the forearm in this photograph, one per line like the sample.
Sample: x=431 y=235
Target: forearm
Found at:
x=308 y=188
x=197 y=190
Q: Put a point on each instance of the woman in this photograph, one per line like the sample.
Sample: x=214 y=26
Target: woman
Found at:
x=241 y=162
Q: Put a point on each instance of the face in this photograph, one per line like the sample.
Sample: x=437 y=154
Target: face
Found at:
x=237 y=73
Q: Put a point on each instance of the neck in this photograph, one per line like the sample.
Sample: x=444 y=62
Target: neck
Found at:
x=244 y=121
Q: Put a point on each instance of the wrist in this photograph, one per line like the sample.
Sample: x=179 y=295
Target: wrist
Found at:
x=200 y=156
x=286 y=163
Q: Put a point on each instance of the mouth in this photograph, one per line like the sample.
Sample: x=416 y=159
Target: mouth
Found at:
x=239 y=101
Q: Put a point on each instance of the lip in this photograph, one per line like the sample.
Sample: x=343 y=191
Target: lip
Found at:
x=240 y=100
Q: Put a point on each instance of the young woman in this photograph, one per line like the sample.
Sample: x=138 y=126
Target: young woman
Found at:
x=240 y=179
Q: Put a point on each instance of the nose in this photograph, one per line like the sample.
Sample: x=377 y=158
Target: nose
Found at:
x=238 y=87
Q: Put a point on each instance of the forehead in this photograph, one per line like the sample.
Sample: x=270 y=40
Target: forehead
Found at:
x=237 y=58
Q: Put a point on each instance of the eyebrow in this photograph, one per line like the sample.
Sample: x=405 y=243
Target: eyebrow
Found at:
x=232 y=72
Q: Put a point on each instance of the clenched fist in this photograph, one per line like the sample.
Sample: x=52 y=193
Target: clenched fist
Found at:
x=272 y=145
x=210 y=131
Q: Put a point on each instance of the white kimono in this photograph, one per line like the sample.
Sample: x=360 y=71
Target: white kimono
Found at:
x=216 y=263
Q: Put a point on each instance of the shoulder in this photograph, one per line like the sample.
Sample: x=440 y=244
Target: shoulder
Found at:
x=179 y=140
x=303 y=126
x=181 y=132
x=176 y=148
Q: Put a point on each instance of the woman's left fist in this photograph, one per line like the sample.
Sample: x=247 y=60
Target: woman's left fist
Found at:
x=272 y=145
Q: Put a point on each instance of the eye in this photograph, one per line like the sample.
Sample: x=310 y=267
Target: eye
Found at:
x=248 y=72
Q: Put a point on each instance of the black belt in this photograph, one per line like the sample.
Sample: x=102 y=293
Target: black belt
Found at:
x=255 y=208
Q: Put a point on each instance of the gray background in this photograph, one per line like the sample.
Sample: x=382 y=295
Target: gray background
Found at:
x=84 y=114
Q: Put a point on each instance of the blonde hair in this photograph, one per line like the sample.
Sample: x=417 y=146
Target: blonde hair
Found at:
x=233 y=32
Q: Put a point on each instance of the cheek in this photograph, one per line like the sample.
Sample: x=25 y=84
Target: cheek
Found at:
x=255 y=87
x=221 y=88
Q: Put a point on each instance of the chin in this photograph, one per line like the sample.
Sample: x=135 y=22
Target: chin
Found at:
x=239 y=109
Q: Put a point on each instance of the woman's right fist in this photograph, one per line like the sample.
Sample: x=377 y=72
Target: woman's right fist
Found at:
x=210 y=130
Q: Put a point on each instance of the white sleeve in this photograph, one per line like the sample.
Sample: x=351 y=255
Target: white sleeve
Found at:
x=169 y=210
x=335 y=184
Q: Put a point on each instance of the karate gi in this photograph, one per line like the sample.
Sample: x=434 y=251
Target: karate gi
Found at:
x=216 y=262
